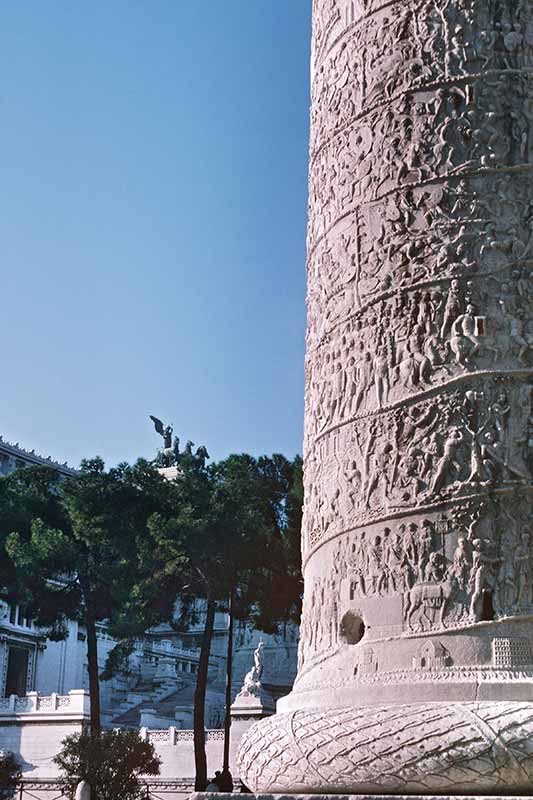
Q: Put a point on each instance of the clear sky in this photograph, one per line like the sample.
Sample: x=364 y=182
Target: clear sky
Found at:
x=152 y=224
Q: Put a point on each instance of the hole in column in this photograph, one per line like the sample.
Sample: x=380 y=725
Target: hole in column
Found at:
x=352 y=628
x=487 y=609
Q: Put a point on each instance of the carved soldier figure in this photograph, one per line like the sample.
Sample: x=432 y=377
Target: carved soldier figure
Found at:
x=380 y=477
x=358 y=563
x=375 y=566
x=433 y=572
x=461 y=563
x=519 y=335
x=452 y=309
x=410 y=551
x=495 y=461
x=464 y=332
x=448 y=462
x=381 y=376
x=425 y=543
x=505 y=587
x=522 y=577
x=395 y=563
x=481 y=576
x=500 y=411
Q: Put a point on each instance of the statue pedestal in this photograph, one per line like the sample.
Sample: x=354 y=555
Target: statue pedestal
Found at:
x=169 y=473
x=249 y=706
x=246 y=711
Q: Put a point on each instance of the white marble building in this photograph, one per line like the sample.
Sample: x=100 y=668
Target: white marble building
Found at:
x=26 y=662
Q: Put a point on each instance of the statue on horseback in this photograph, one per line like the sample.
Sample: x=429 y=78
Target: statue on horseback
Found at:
x=169 y=455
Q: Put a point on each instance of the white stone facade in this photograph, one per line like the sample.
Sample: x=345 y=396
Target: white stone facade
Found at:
x=34 y=726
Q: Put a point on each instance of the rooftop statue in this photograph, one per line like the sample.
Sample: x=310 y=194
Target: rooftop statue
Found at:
x=169 y=455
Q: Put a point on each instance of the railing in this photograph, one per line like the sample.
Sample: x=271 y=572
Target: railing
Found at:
x=34 y=790
x=176 y=736
x=52 y=790
x=75 y=702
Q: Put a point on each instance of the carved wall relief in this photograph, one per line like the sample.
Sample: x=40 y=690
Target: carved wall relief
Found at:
x=365 y=53
x=386 y=248
x=511 y=653
x=431 y=656
x=320 y=621
x=417 y=340
x=465 y=441
x=418 y=451
x=469 y=563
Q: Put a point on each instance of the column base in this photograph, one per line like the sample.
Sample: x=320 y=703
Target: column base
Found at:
x=221 y=795
x=415 y=749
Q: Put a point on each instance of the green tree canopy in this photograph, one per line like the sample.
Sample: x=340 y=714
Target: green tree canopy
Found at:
x=233 y=530
x=76 y=545
x=9 y=774
x=129 y=548
x=112 y=763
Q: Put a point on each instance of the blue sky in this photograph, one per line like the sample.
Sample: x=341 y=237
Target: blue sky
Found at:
x=152 y=224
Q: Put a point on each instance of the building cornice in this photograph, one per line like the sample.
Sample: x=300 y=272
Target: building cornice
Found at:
x=33 y=458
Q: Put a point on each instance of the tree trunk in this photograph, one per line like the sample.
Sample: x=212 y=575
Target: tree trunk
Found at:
x=92 y=659
x=229 y=670
x=200 y=759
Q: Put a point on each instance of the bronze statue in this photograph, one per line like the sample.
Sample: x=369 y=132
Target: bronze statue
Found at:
x=168 y=455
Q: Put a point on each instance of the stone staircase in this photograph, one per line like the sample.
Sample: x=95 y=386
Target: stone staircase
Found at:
x=162 y=699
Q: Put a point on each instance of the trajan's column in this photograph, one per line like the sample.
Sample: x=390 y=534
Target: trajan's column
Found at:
x=416 y=662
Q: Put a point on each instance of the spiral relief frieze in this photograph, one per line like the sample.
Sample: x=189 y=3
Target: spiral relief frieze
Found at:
x=418 y=447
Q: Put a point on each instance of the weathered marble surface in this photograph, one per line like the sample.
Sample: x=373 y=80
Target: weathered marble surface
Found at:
x=418 y=449
x=447 y=748
x=222 y=795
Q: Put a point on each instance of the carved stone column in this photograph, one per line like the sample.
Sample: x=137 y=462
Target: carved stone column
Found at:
x=416 y=667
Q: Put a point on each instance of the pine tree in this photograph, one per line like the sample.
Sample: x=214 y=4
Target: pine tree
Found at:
x=76 y=546
x=232 y=532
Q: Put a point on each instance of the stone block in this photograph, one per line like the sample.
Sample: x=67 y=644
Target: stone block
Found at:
x=224 y=796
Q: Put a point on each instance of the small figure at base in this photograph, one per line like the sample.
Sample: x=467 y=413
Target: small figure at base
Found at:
x=225 y=781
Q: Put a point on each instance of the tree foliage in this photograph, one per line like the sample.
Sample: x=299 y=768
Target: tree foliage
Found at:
x=236 y=524
x=75 y=545
x=9 y=774
x=111 y=762
x=128 y=548
x=233 y=529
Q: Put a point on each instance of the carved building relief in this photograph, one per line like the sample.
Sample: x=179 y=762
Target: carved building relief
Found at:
x=510 y=653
